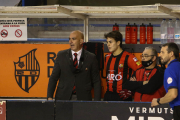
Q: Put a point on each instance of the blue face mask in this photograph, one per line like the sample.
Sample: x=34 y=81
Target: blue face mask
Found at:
x=147 y=63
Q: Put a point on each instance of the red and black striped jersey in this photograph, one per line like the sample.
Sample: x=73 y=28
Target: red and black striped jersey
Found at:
x=118 y=70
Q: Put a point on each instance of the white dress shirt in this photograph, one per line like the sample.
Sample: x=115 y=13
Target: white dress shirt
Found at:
x=78 y=54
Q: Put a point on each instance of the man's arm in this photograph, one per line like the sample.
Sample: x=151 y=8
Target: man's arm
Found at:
x=53 y=79
x=134 y=63
x=96 y=79
x=170 y=96
x=132 y=84
x=155 y=82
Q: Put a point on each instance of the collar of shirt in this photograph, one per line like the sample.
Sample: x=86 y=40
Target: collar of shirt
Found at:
x=78 y=54
x=172 y=61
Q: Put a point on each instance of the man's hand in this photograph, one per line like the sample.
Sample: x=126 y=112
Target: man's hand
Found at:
x=145 y=82
x=50 y=99
x=132 y=79
x=154 y=102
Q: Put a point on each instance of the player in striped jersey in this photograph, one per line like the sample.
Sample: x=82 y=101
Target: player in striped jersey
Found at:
x=119 y=67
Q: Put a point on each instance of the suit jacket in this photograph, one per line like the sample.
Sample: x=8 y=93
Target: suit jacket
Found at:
x=84 y=78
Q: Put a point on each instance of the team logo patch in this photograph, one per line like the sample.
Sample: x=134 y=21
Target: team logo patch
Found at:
x=135 y=59
x=169 y=80
x=138 y=63
x=27 y=70
x=120 y=66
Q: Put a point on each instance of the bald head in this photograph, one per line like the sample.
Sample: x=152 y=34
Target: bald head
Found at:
x=79 y=34
x=76 y=40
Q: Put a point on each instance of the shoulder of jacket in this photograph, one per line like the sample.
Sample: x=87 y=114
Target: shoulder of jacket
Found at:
x=89 y=53
x=63 y=52
x=125 y=53
x=159 y=69
x=128 y=53
x=141 y=68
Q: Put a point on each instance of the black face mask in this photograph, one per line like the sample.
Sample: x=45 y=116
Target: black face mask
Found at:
x=147 y=63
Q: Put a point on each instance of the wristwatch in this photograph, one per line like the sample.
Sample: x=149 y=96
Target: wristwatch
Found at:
x=158 y=101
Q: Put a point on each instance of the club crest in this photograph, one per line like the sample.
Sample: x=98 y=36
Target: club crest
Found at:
x=120 y=66
x=27 y=70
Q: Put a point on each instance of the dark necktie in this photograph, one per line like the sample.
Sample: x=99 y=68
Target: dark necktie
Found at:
x=75 y=62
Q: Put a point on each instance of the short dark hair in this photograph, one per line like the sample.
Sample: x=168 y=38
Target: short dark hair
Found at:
x=172 y=47
x=116 y=35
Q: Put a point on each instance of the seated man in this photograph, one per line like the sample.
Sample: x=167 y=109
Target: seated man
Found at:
x=147 y=81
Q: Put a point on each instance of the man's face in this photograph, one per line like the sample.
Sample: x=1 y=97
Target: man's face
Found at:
x=147 y=55
x=164 y=55
x=112 y=44
x=75 y=41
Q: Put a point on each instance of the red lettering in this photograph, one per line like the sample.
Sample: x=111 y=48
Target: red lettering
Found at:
x=14 y=25
x=5 y=25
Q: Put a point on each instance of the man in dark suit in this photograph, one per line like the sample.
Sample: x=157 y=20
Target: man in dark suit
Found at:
x=77 y=72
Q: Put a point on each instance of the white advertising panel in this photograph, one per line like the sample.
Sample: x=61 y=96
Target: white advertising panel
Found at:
x=13 y=29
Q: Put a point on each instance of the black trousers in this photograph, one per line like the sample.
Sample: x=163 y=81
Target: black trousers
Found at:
x=176 y=113
x=113 y=96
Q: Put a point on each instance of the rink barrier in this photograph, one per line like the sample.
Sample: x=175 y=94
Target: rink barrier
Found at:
x=83 y=110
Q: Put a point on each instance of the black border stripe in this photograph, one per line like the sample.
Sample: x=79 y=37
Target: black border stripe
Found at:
x=36 y=65
x=172 y=87
x=20 y=80
x=26 y=83
x=32 y=80
x=125 y=70
x=116 y=68
x=107 y=68
x=26 y=62
x=31 y=60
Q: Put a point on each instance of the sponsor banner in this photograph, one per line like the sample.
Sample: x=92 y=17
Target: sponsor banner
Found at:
x=13 y=29
x=119 y=111
x=25 y=69
x=2 y=110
